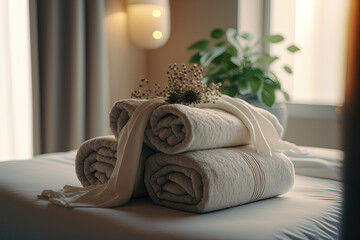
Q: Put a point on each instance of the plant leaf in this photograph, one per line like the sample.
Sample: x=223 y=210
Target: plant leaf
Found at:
x=293 y=48
x=246 y=36
x=286 y=95
x=229 y=90
x=199 y=45
x=235 y=60
x=266 y=58
x=275 y=38
x=231 y=50
x=206 y=80
x=233 y=38
x=195 y=58
x=208 y=56
x=267 y=95
x=243 y=87
x=211 y=69
x=260 y=60
x=254 y=77
x=217 y=33
x=288 y=69
x=255 y=84
x=277 y=84
x=221 y=43
x=271 y=59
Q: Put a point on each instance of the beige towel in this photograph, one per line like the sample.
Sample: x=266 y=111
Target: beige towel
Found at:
x=96 y=159
x=120 y=187
x=176 y=128
x=209 y=180
x=120 y=114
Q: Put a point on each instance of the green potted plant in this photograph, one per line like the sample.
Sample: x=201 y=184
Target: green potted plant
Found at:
x=233 y=59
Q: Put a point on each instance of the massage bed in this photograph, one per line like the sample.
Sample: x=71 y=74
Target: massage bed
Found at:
x=310 y=210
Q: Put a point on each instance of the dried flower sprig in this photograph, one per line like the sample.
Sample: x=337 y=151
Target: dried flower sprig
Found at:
x=146 y=93
x=184 y=87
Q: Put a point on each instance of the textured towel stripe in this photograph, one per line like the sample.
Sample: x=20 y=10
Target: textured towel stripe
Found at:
x=258 y=175
x=261 y=176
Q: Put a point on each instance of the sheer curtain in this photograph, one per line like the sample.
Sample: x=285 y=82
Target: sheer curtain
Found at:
x=16 y=140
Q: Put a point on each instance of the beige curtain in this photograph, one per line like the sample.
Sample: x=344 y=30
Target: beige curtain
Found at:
x=70 y=73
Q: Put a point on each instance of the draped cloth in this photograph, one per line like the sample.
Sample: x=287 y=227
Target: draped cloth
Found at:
x=120 y=187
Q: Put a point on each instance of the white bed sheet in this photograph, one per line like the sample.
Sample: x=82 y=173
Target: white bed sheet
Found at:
x=311 y=210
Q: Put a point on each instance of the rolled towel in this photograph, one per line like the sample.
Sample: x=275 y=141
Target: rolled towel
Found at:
x=176 y=128
x=209 y=180
x=121 y=112
x=120 y=186
x=96 y=159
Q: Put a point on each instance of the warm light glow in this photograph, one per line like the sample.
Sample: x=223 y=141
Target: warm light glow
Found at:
x=156 y=13
x=157 y=34
x=148 y=22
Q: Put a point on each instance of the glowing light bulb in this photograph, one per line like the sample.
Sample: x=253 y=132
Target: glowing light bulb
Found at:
x=157 y=34
x=156 y=13
x=148 y=22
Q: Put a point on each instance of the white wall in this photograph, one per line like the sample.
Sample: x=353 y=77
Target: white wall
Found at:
x=250 y=17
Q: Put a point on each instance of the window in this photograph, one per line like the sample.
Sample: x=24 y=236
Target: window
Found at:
x=319 y=28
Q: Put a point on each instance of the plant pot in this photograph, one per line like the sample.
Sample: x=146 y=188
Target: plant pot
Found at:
x=278 y=109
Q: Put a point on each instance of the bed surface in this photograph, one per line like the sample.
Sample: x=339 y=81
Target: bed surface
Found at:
x=311 y=210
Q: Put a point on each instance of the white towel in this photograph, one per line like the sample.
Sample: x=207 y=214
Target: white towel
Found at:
x=318 y=162
x=175 y=128
x=121 y=112
x=209 y=180
x=96 y=159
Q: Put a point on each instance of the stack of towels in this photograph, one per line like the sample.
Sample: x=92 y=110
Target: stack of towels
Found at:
x=197 y=159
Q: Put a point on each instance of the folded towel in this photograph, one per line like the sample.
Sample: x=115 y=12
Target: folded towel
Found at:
x=96 y=159
x=209 y=180
x=176 y=128
x=318 y=162
x=120 y=187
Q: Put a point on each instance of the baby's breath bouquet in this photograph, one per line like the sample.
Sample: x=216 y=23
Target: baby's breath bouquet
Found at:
x=233 y=60
x=185 y=87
